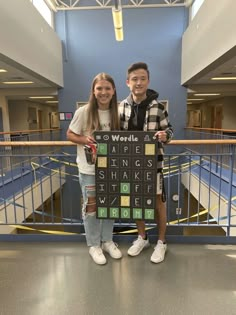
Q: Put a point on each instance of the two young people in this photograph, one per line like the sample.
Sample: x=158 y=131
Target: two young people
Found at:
x=139 y=111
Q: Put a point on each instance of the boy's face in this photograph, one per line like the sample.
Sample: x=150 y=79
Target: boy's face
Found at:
x=138 y=82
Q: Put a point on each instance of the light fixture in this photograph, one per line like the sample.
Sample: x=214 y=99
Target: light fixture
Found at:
x=40 y=97
x=3 y=70
x=195 y=99
x=207 y=94
x=51 y=102
x=117 y=20
x=223 y=78
x=51 y=5
x=17 y=82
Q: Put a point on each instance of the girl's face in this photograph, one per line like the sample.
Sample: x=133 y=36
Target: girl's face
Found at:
x=103 y=92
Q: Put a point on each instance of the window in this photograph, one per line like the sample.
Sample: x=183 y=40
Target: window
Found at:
x=44 y=10
x=195 y=7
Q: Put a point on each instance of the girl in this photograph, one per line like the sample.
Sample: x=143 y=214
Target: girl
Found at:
x=101 y=113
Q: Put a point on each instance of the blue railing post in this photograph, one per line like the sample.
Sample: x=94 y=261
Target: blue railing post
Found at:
x=231 y=167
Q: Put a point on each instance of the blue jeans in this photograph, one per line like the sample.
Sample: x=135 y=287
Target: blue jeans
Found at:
x=96 y=230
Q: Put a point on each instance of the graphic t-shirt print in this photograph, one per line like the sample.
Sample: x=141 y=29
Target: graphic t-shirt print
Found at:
x=106 y=126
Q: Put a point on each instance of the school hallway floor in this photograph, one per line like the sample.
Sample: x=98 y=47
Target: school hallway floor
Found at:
x=53 y=278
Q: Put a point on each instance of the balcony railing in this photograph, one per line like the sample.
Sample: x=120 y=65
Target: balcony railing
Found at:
x=40 y=193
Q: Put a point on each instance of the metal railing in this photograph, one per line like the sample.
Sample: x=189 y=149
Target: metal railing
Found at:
x=221 y=154
x=40 y=194
x=11 y=156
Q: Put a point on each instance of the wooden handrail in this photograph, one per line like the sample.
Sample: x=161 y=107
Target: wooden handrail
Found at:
x=29 y=131
x=36 y=143
x=57 y=129
x=211 y=129
x=69 y=143
x=194 y=142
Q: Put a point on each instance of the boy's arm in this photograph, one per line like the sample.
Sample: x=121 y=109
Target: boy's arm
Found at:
x=165 y=134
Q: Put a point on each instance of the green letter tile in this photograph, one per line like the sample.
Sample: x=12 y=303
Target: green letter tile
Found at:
x=102 y=148
x=114 y=213
x=137 y=213
x=149 y=214
x=102 y=212
x=125 y=213
x=125 y=188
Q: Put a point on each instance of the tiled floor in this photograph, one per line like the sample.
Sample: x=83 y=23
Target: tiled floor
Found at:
x=53 y=278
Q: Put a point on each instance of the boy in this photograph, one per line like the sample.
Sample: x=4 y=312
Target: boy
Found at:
x=141 y=111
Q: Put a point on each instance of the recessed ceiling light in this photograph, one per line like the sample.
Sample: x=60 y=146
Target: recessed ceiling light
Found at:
x=206 y=94
x=195 y=99
x=17 y=82
x=37 y=97
x=3 y=70
x=226 y=73
x=223 y=78
x=51 y=102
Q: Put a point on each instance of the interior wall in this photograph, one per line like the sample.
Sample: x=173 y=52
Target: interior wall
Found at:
x=208 y=37
x=21 y=109
x=28 y=40
x=229 y=113
x=150 y=35
x=207 y=115
x=1 y=120
x=5 y=113
x=228 y=105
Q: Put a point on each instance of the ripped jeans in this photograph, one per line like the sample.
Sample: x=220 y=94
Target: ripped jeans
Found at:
x=96 y=230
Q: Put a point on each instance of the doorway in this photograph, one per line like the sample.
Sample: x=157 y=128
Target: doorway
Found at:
x=216 y=117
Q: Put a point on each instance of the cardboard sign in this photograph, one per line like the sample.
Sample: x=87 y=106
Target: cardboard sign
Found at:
x=126 y=172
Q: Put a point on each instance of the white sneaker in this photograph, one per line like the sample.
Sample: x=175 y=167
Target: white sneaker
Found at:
x=112 y=249
x=97 y=255
x=159 y=252
x=138 y=246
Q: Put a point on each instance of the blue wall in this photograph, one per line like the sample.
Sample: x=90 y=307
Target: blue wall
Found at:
x=150 y=35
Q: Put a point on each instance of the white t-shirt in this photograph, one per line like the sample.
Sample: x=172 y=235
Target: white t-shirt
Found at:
x=78 y=126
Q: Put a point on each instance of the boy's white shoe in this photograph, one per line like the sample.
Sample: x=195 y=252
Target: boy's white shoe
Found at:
x=112 y=249
x=138 y=245
x=97 y=255
x=159 y=252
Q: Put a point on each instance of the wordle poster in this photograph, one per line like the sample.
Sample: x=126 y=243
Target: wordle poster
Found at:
x=126 y=175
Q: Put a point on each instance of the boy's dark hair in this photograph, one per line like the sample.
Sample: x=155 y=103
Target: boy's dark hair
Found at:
x=136 y=66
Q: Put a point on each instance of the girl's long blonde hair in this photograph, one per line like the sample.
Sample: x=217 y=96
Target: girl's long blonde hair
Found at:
x=93 y=122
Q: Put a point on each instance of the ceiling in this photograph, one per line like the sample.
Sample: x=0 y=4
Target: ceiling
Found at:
x=18 y=74
x=201 y=83
x=103 y=4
